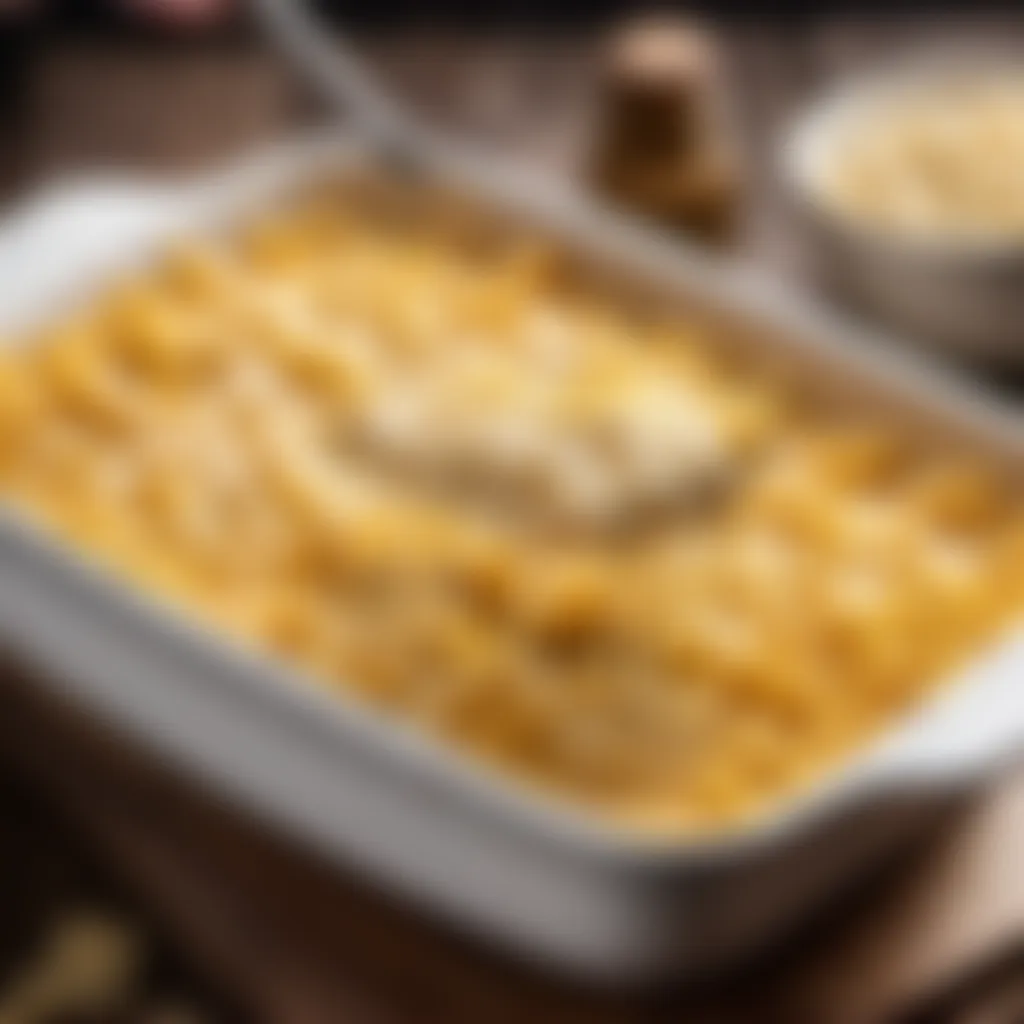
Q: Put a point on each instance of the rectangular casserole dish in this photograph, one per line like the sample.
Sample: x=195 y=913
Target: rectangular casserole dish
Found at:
x=427 y=822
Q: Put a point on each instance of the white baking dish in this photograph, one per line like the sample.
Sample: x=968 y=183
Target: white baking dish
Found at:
x=406 y=812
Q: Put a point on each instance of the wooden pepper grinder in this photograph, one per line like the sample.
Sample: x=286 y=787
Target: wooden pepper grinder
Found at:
x=660 y=147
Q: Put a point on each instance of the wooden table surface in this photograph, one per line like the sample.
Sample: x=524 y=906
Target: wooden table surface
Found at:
x=260 y=931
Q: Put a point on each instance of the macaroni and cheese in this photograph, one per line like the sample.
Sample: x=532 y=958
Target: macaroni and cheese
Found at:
x=568 y=534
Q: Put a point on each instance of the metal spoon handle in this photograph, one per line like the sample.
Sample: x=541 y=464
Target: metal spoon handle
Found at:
x=342 y=77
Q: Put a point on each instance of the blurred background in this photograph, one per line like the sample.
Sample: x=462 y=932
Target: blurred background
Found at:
x=179 y=84
x=147 y=901
x=176 y=85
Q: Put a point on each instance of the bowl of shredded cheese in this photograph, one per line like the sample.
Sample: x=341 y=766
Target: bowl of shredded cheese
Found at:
x=911 y=181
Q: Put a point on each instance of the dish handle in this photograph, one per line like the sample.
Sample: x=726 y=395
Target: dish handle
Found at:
x=967 y=735
x=44 y=239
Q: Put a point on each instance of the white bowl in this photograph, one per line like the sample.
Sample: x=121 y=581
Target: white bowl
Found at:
x=962 y=295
